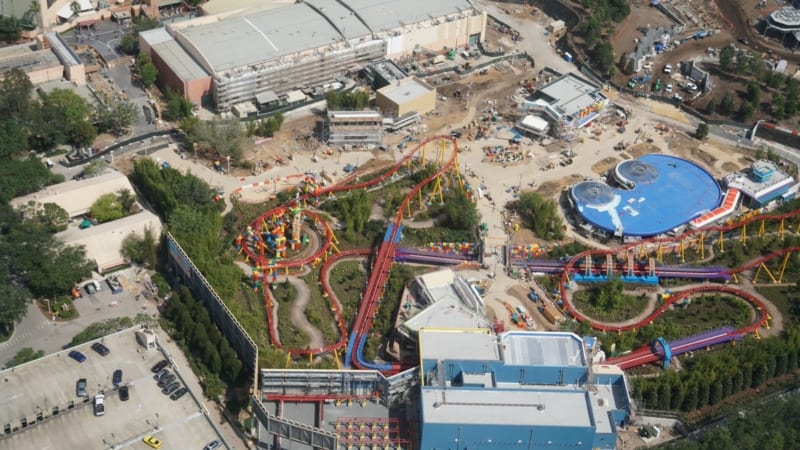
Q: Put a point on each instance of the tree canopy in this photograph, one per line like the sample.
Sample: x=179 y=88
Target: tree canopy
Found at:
x=540 y=215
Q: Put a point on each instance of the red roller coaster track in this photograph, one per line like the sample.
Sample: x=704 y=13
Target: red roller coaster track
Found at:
x=645 y=354
x=382 y=263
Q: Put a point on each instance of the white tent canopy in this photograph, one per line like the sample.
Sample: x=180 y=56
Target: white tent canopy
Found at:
x=66 y=12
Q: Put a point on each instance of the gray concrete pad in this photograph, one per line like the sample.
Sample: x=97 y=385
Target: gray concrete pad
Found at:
x=39 y=386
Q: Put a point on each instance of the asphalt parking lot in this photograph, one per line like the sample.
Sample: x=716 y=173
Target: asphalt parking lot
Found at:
x=42 y=394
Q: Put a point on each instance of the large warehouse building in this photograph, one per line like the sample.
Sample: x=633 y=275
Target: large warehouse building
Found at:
x=516 y=390
x=302 y=45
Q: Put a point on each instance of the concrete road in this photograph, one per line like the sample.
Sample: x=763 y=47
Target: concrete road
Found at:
x=40 y=333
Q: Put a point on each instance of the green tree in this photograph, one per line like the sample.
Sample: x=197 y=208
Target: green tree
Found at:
x=26 y=354
x=16 y=92
x=127 y=200
x=540 y=215
x=141 y=250
x=116 y=117
x=746 y=111
x=355 y=209
x=130 y=41
x=727 y=105
x=460 y=212
x=753 y=94
x=13 y=139
x=51 y=217
x=604 y=55
x=64 y=117
x=178 y=106
x=148 y=74
x=107 y=208
x=726 y=56
x=75 y=7
x=13 y=303
x=24 y=176
x=10 y=29
x=224 y=137
x=711 y=106
x=778 y=106
x=702 y=131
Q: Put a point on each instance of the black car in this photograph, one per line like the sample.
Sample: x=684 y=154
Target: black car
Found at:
x=179 y=393
x=166 y=380
x=160 y=365
x=101 y=349
x=161 y=374
x=170 y=388
x=117 y=378
x=123 y=393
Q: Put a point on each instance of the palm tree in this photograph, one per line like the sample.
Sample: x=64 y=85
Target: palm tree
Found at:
x=75 y=7
x=35 y=8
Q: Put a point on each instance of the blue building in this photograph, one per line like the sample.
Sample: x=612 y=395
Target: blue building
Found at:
x=762 y=183
x=518 y=390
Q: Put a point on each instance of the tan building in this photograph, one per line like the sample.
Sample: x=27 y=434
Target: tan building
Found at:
x=40 y=65
x=406 y=96
x=176 y=68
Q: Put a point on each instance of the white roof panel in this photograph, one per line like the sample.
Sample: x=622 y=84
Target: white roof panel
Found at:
x=382 y=15
x=260 y=37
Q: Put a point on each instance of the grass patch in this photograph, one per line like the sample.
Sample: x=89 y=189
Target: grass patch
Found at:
x=248 y=308
x=417 y=237
x=620 y=306
x=290 y=335
x=347 y=280
x=319 y=310
x=705 y=313
x=786 y=299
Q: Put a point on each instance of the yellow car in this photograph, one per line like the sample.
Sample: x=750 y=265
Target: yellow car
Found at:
x=152 y=441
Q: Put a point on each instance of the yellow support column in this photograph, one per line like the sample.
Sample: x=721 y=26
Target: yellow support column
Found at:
x=780 y=228
x=682 y=250
x=783 y=266
x=721 y=242
x=702 y=245
x=743 y=236
x=659 y=253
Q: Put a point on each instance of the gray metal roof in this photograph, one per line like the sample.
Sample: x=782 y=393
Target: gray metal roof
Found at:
x=261 y=37
x=345 y=20
x=382 y=15
x=569 y=93
x=181 y=63
x=543 y=349
x=539 y=407
x=478 y=345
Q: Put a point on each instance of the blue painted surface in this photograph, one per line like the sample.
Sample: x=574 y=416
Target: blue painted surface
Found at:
x=667 y=193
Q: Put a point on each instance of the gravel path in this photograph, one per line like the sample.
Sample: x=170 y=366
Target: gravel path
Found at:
x=299 y=319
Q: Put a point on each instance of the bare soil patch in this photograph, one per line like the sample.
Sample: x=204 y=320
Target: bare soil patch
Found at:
x=604 y=165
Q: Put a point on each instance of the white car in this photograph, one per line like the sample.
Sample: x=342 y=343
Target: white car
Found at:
x=668 y=68
x=668 y=88
x=99 y=405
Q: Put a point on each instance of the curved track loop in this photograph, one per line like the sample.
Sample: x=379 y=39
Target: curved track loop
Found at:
x=762 y=316
x=370 y=299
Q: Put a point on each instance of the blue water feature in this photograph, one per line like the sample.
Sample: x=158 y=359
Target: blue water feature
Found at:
x=637 y=279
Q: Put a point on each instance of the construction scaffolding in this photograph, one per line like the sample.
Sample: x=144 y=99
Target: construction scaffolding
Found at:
x=372 y=432
x=317 y=67
x=354 y=128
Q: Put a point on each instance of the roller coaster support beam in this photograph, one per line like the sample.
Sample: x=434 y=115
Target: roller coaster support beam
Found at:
x=743 y=236
x=702 y=245
x=783 y=266
x=682 y=249
x=763 y=267
x=762 y=228
x=780 y=228
x=721 y=241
